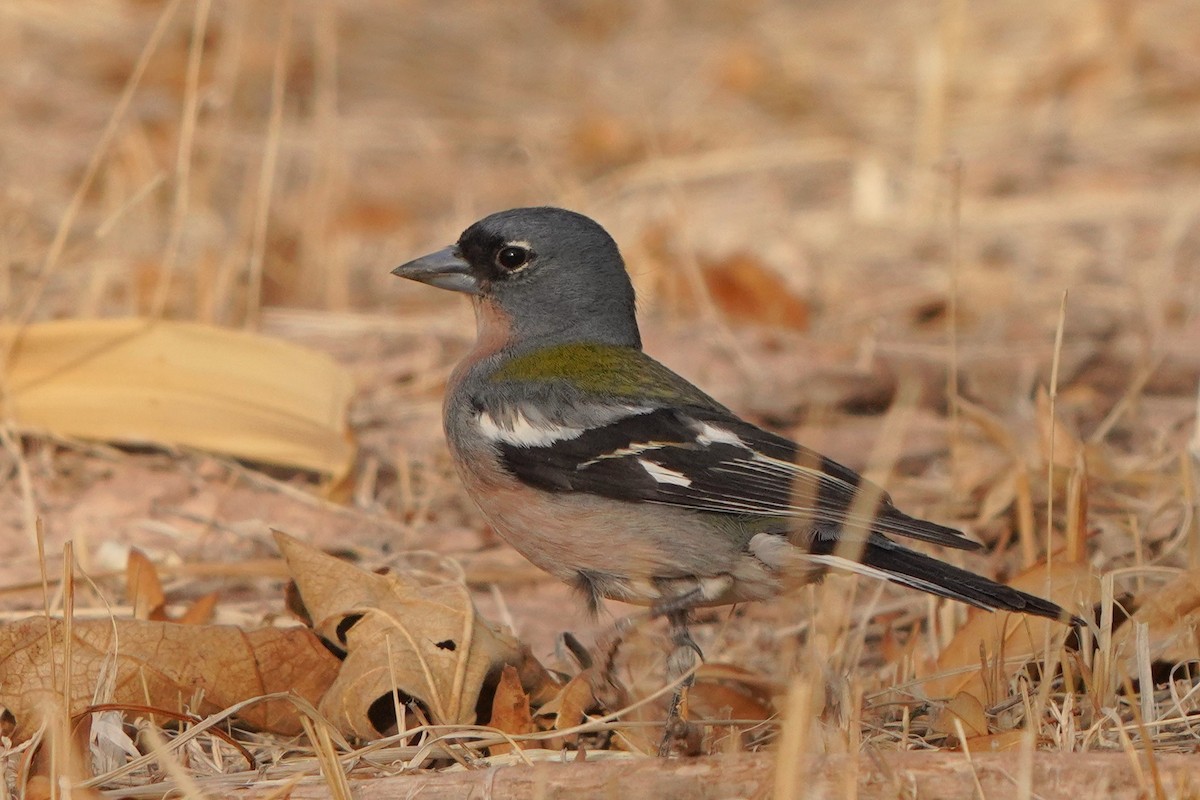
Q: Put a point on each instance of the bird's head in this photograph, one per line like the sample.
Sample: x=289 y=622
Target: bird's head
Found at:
x=555 y=275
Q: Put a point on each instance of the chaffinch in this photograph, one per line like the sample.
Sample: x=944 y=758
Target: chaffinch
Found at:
x=606 y=469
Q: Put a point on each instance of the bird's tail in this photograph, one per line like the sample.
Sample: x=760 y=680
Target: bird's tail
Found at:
x=910 y=568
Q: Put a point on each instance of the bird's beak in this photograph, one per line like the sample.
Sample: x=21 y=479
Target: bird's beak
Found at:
x=444 y=269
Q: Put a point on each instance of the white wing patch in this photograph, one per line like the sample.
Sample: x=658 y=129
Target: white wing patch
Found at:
x=664 y=475
x=524 y=433
x=622 y=452
x=711 y=434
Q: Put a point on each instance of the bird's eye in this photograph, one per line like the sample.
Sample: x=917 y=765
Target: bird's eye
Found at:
x=512 y=257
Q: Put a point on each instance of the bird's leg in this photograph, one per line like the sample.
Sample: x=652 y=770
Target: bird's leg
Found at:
x=680 y=662
x=684 y=655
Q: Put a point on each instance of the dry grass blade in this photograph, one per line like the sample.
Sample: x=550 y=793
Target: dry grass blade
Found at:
x=795 y=740
x=184 y=783
x=331 y=767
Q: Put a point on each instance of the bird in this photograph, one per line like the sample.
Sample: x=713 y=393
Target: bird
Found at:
x=618 y=476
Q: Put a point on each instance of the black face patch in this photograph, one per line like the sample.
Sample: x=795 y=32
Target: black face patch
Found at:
x=492 y=256
x=478 y=247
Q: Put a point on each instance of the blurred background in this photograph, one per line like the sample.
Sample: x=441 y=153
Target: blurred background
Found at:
x=817 y=200
x=286 y=154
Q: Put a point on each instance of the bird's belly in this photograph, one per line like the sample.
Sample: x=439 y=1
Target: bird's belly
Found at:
x=636 y=552
x=566 y=534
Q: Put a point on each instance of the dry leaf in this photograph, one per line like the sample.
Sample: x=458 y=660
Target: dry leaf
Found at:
x=181 y=384
x=996 y=742
x=1077 y=513
x=1014 y=637
x=747 y=291
x=145 y=591
x=991 y=425
x=1172 y=613
x=726 y=691
x=1068 y=448
x=414 y=633
x=568 y=707
x=748 y=69
x=599 y=142
x=740 y=286
x=999 y=496
x=200 y=612
x=510 y=710
x=1002 y=489
x=894 y=650
x=143 y=587
x=571 y=704
x=161 y=664
x=967 y=710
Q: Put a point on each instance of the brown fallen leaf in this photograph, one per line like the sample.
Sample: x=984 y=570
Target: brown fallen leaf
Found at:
x=570 y=705
x=411 y=637
x=145 y=591
x=143 y=587
x=162 y=665
x=200 y=611
x=510 y=711
x=741 y=286
x=749 y=291
x=995 y=742
x=898 y=647
x=1014 y=638
x=999 y=495
x=599 y=142
x=726 y=691
x=163 y=382
x=966 y=710
x=565 y=709
x=755 y=73
x=1172 y=614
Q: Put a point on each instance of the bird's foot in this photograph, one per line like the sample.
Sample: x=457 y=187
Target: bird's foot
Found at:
x=676 y=727
x=685 y=657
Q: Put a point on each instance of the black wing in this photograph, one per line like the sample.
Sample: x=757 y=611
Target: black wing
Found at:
x=706 y=461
